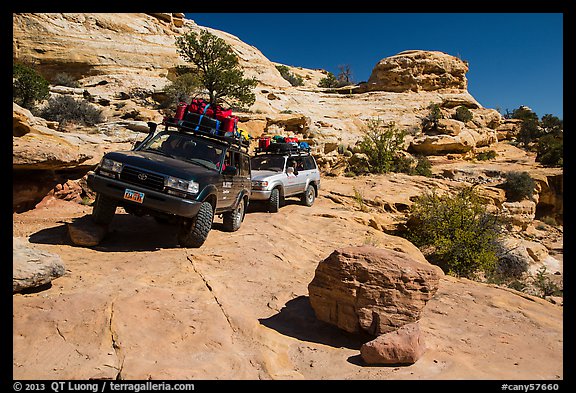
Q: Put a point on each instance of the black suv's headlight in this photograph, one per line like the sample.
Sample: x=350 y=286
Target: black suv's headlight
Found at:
x=188 y=186
x=110 y=167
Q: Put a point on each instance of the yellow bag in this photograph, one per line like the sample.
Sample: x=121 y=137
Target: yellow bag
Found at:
x=244 y=134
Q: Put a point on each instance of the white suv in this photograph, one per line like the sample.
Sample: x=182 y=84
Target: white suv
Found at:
x=276 y=176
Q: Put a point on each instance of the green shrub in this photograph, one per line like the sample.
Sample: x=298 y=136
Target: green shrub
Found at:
x=518 y=186
x=486 y=155
x=329 y=81
x=380 y=143
x=294 y=80
x=529 y=132
x=550 y=150
x=463 y=114
x=423 y=166
x=420 y=165
x=28 y=86
x=544 y=284
x=66 y=109
x=430 y=122
x=455 y=232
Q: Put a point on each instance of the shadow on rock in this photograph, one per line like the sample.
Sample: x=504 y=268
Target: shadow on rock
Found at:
x=54 y=235
x=126 y=233
x=297 y=319
x=358 y=361
x=258 y=206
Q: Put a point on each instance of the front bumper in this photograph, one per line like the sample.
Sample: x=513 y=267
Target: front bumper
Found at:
x=260 y=195
x=152 y=199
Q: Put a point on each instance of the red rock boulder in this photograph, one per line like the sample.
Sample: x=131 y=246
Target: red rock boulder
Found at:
x=371 y=290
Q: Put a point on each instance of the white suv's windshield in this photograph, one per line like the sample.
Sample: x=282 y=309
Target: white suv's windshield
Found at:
x=268 y=162
x=187 y=147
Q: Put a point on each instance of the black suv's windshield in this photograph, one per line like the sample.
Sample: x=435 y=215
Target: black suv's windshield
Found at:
x=268 y=162
x=186 y=147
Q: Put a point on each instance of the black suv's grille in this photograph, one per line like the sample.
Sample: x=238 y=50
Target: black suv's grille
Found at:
x=142 y=178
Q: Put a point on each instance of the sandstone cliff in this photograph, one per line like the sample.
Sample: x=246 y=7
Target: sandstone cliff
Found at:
x=118 y=52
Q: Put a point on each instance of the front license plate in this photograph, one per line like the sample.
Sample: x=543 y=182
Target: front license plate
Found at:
x=133 y=196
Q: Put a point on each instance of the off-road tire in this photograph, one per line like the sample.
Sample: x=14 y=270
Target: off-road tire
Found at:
x=274 y=201
x=309 y=196
x=194 y=231
x=104 y=209
x=233 y=219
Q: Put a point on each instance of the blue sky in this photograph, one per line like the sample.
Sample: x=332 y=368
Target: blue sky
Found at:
x=514 y=58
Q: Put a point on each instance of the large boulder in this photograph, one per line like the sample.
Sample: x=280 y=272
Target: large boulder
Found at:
x=402 y=346
x=31 y=267
x=371 y=290
x=416 y=70
x=465 y=140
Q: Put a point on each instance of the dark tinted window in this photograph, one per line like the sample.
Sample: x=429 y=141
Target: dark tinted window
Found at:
x=309 y=163
x=245 y=165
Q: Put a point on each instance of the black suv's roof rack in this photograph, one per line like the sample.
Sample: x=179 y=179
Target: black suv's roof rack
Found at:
x=207 y=132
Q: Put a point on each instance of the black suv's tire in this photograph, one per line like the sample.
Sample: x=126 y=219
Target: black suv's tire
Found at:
x=193 y=232
x=104 y=209
x=233 y=219
x=309 y=195
x=274 y=201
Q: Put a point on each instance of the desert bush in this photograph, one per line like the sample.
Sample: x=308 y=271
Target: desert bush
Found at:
x=294 y=79
x=486 y=155
x=380 y=143
x=544 y=284
x=330 y=81
x=550 y=150
x=423 y=166
x=431 y=120
x=65 y=79
x=463 y=114
x=28 y=86
x=359 y=199
x=455 y=232
x=518 y=186
x=420 y=165
x=66 y=109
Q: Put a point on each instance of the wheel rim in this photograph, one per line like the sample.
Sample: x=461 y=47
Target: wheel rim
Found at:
x=310 y=194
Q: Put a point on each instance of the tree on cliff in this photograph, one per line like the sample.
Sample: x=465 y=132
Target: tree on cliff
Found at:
x=28 y=86
x=216 y=68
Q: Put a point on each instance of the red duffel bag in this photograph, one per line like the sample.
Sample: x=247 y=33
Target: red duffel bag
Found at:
x=197 y=105
x=220 y=113
x=229 y=123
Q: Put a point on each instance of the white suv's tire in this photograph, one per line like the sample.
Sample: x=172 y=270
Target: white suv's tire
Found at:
x=274 y=201
x=309 y=196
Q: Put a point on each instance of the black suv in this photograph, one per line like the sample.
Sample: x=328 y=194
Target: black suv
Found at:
x=180 y=175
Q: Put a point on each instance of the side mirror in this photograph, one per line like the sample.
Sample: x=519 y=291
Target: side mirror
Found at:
x=152 y=126
x=230 y=171
x=290 y=170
